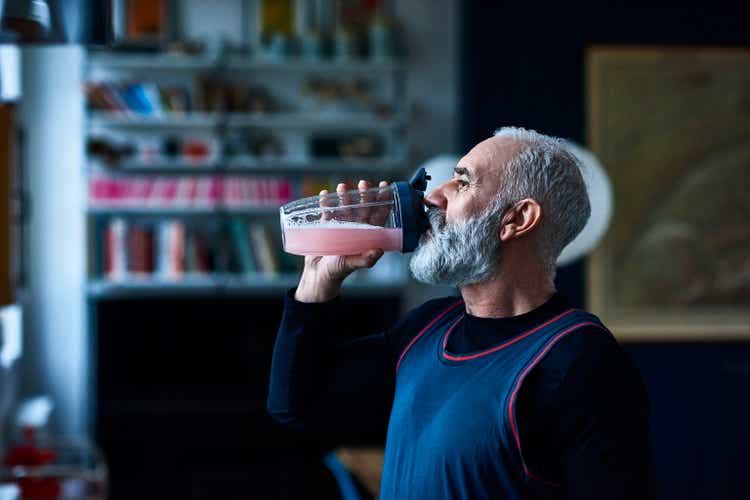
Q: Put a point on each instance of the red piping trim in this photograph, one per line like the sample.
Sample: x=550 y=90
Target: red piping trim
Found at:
x=501 y=346
x=511 y=412
x=429 y=325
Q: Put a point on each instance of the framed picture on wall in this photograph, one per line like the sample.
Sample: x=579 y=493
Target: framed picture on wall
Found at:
x=672 y=127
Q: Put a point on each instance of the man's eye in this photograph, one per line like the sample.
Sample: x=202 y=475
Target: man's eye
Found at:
x=462 y=183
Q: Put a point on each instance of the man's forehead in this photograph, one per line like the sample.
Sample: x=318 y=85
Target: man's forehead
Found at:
x=486 y=156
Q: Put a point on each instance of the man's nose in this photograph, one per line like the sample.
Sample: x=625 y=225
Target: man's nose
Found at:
x=436 y=198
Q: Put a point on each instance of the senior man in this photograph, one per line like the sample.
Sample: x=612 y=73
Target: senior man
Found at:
x=507 y=392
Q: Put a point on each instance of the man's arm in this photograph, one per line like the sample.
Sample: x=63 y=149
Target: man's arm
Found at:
x=317 y=384
x=605 y=430
x=328 y=387
x=583 y=420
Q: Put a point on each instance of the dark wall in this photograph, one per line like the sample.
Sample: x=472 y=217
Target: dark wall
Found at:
x=523 y=62
x=523 y=65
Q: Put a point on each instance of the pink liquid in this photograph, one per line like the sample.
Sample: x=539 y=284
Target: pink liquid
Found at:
x=340 y=239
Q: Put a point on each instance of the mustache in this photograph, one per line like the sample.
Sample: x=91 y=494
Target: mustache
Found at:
x=436 y=218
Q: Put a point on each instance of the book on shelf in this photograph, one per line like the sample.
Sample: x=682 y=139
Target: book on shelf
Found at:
x=140 y=245
x=246 y=258
x=144 y=98
x=115 y=262
x=152 y=96
x=179 y=99
x=257 y=250
x=188 y=191
x=97 y=100
x=263 y=248
x=170 y=249
x=197 y=254
x=135 y=99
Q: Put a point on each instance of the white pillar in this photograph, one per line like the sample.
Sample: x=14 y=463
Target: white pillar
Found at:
x=55 y=358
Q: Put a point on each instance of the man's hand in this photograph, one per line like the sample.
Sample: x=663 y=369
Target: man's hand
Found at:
x=323 y=275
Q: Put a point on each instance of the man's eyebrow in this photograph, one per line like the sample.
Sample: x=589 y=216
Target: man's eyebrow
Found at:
x=463 y=171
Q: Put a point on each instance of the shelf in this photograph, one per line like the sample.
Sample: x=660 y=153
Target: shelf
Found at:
x=180 y=212
x=327 y=66
x=296 y=120
x=223 y=285
x=247 y=164
x=238 y=165
x=164 y=166
x=174 y=120
x=163 y=62
x=312 y=119
x=145 y=287
x=173 y=62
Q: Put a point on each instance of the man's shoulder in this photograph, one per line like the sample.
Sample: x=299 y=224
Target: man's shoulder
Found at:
x=589 y=359
x=423 y=314
x=589 y=338
x=420 y=316
x=437 y=305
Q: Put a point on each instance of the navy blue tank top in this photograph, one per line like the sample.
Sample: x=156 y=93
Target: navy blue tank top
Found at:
x=453 y=431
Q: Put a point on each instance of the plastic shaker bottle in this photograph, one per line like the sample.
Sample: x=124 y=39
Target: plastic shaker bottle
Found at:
x=391 y=218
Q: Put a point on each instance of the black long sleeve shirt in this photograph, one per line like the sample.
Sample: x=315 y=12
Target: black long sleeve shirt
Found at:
x=582 y=411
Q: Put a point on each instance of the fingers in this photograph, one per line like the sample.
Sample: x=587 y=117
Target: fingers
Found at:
x=325 y=201
x=344 y=199
x=365 y=260
x=380 y=214
x=365 y=196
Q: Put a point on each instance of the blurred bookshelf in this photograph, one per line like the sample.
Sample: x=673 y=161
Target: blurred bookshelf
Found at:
x=189 y=158
x=196 y=133
x=180 y=212
x=152 y=62
x=276 y=120
x=192 y=119
x=183 y=62
x=251 y=165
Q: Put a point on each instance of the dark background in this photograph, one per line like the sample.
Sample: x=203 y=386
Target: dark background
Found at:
x=523 y=64
x=181 y=387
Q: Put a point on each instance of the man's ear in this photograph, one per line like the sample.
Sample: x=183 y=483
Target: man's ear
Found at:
x=520 y=219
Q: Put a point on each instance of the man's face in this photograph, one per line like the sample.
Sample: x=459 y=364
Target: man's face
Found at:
x=475 y=183
x=462 y=246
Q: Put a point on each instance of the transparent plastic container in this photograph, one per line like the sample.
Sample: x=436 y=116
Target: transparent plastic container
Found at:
x=344 y=224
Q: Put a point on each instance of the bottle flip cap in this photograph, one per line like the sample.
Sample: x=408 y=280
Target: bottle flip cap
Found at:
x=413 y=212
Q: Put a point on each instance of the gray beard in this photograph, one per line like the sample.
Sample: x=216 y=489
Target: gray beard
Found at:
x=463 y=253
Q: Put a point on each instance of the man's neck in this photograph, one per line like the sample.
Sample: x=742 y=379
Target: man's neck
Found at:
x=502 y=298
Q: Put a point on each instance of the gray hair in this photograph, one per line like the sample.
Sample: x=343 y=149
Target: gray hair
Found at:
x=544 y=170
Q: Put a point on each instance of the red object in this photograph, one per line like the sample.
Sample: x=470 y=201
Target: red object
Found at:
x=141 y=250
x=28 y=455
x=195 y=150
